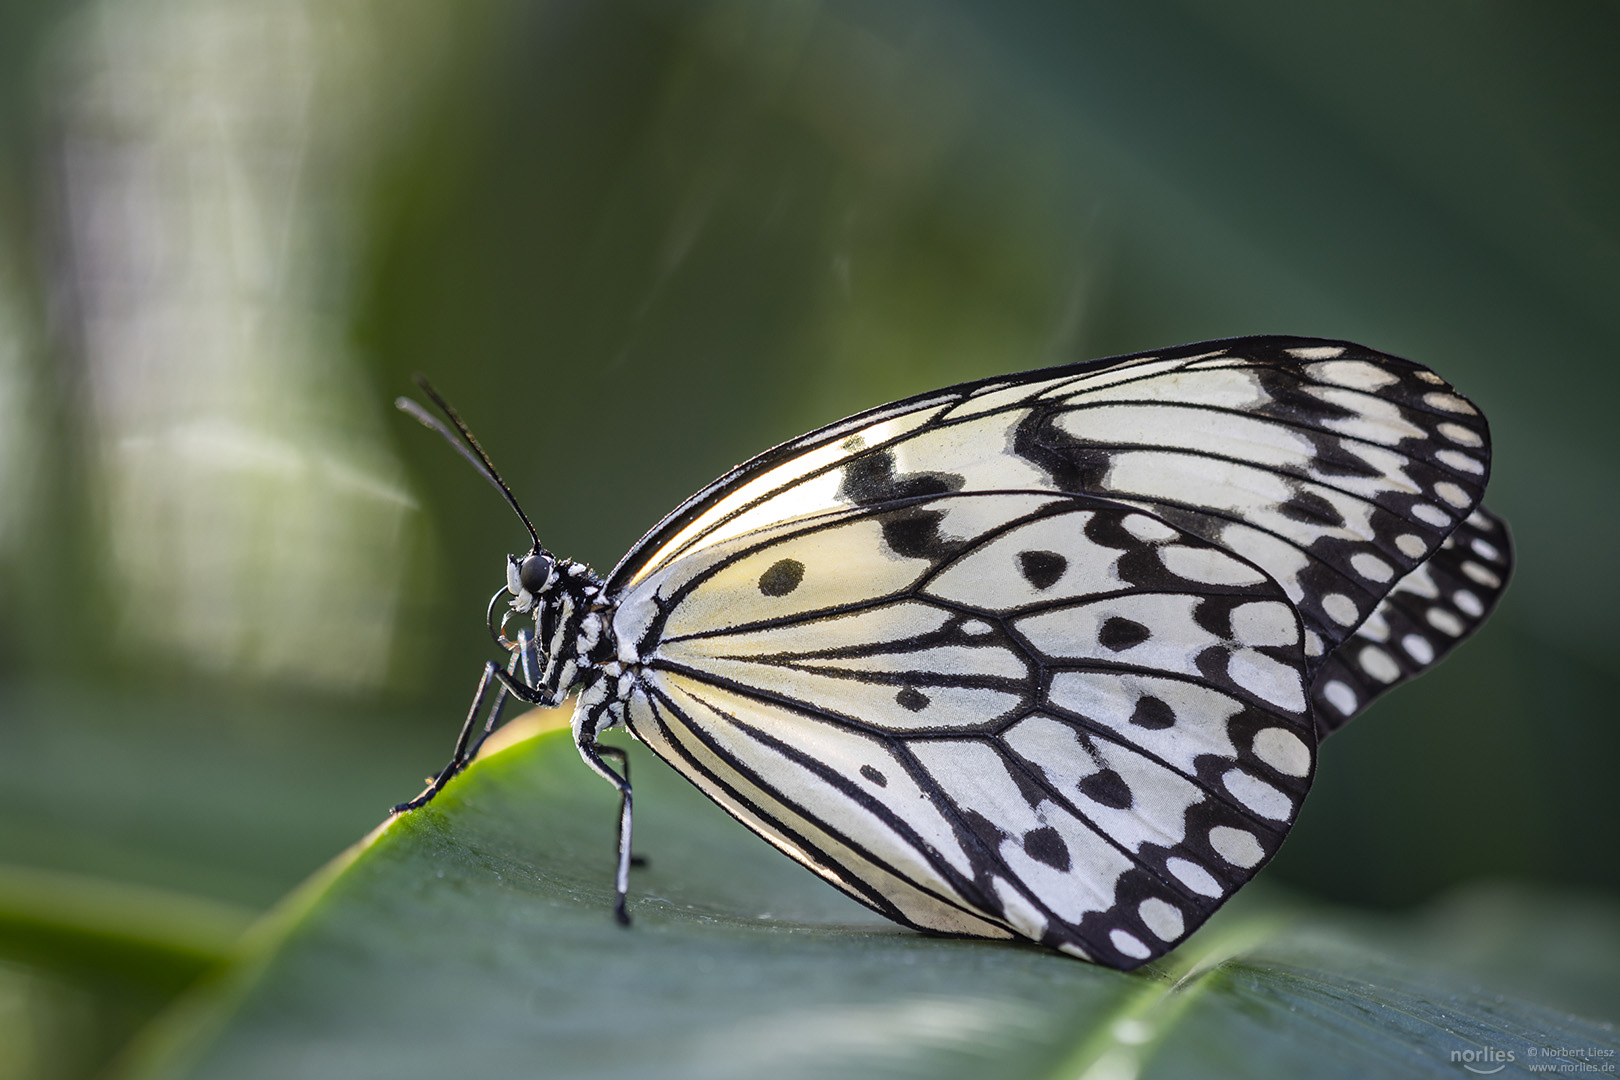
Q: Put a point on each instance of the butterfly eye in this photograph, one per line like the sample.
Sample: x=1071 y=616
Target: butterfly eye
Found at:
x=535 y=572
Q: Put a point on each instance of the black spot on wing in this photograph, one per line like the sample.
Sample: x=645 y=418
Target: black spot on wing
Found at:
x=782 y=577
x=1311 y=508
x=1152 y=713
x=1120 y=633
x=873 y=775
x=911 y=532
x=1042 y=568
x=1214 y=613
x=914 y=533
x=912 y=699
x=1108 y=788
x=871 y=479
x=1045 y=845
x=1072 y=464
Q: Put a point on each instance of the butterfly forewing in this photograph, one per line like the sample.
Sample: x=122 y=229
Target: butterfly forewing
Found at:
x=979 y=713
x=1336 y=469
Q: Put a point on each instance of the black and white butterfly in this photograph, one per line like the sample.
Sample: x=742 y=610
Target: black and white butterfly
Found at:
x=1043 y=656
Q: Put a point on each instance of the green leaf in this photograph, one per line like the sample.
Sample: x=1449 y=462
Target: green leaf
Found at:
x=106 y=931
x=474 y=939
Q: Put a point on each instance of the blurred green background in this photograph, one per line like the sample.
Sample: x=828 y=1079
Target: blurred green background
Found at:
x=241 y=599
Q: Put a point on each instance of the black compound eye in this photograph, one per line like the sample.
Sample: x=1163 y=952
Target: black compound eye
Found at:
x=535 y=572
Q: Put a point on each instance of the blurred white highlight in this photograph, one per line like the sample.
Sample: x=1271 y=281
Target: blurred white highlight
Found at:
x=210 y=155
x=19 y=434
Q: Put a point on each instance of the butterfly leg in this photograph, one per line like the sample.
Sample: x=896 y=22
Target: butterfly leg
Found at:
x=524 y=657
x=466 y=749
x=594 y=713
x=619 y=754
x=621 y=880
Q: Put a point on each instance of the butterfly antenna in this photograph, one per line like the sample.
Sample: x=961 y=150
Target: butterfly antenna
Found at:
x=467 y=446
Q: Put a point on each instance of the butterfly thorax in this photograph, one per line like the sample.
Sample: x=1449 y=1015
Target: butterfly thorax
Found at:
x=572 y=632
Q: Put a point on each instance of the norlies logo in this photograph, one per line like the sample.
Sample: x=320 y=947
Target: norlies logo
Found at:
x=1485 y=1061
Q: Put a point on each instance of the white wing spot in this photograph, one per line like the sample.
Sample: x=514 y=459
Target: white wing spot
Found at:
x=1208 y=566
x=1411 y=545
x=1377 y=663
x=1371 y=566
x=1267 y=679
x=1418 y=648
x=1193 y=876
x=1354 y=374
x=1318 y=352
x=1313 y=643
x=1376 y=627
x=1448 y=403
x=1258 y=795
x=1023 y=916
x=1480 y=575
x=977 y=628
x=1147 y=528
x=1236 y=846
x=1481 y=522
x=1340 y=696
x=1264 y=622
x=1461 y=462
x=1282 y=750
x=1421 y=583
x=1161 y=918
x=1129 y=944
x=1459 y=434
x=1429 y=377
x=1340 y=608
x=1445 y=622
x=1450 y=492
x=1431 y=515
x=1486 y=550
x=1468 y=603
x=1372 y=419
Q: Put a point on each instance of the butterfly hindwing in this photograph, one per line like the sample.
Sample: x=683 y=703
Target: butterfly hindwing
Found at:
x=1013 y=712
x=1336 y=469
x=1430 y=611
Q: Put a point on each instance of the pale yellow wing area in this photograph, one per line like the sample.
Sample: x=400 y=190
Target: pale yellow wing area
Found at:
x=1017 y=712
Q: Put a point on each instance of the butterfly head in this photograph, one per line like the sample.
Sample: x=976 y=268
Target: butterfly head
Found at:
x=530 y=578
x=569 y=638
x=571 y=634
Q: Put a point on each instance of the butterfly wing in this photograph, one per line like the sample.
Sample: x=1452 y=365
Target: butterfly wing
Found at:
x=1426 y=614
x=1336 y=469
x=1012 y=713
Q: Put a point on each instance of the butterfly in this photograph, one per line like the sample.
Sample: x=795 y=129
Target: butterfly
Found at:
x=1046 y=656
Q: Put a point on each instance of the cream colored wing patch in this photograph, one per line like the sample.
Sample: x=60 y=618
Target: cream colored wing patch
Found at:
x=1023 y=713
